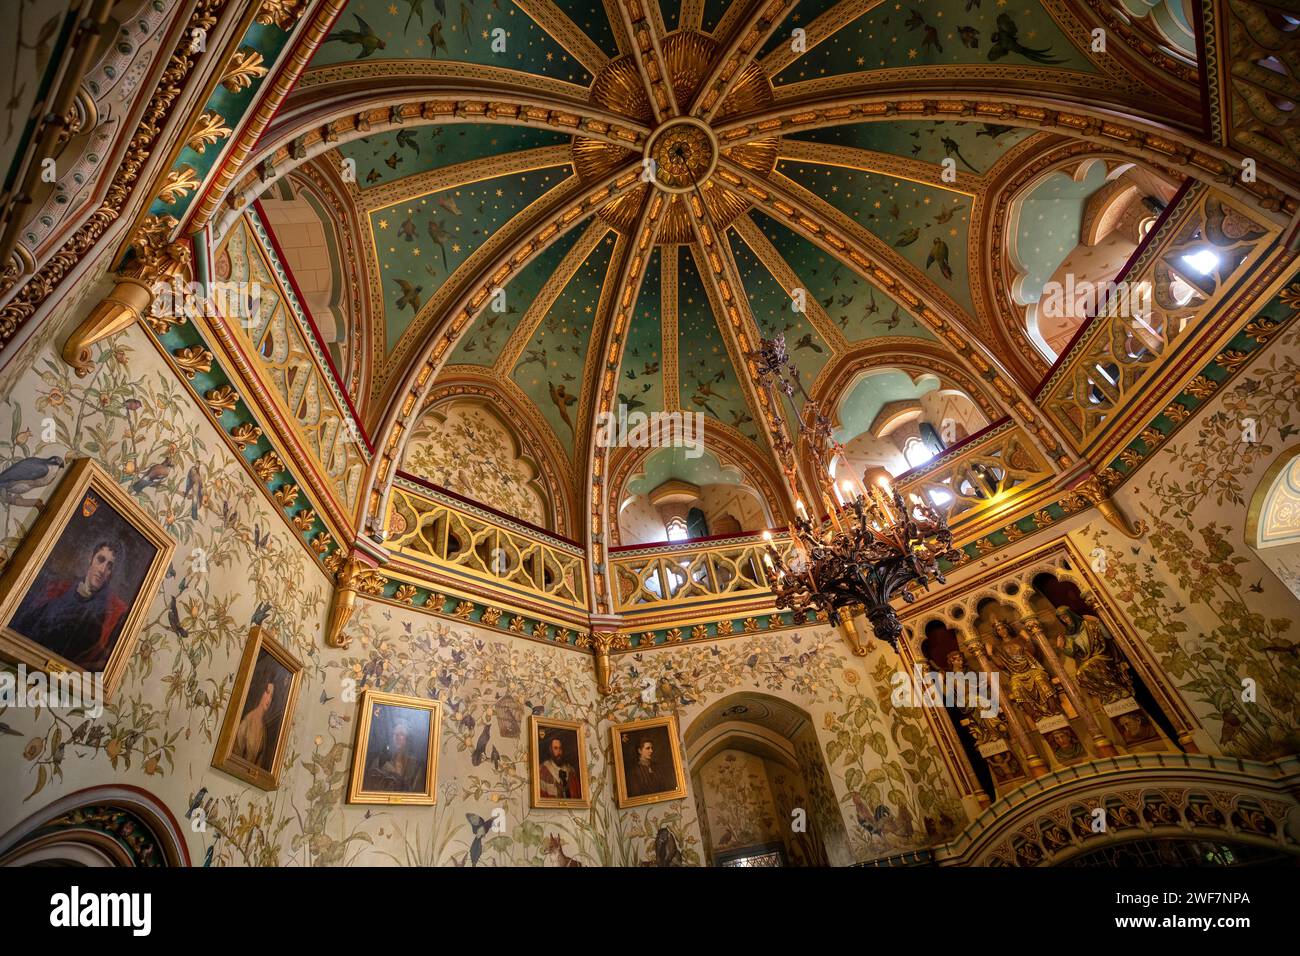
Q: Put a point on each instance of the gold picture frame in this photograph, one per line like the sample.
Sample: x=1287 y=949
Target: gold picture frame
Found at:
x=650 y=785
x=252 y=740
x=544 y=732
x=413 y=770
x=131 y=552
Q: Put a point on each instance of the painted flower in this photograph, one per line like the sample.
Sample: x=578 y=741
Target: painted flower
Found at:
x=54 y=398
x=151 y=765
x=34 y=748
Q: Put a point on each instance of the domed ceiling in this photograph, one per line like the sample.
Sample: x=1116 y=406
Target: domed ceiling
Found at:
x=834 y=172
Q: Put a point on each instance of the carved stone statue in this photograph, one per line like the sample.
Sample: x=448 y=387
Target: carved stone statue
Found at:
x=1097 y=671
x=1031 y=687
x=983 y=729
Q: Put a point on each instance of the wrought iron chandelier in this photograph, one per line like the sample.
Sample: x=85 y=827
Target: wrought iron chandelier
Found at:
x=869 y=545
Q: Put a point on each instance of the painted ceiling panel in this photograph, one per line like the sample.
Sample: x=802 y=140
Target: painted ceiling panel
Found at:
x=804 y=13
x=483 y=343
x=550 y=369
x=667 y=464
x=707 y=382
x=858 y=307
x=928 y=226
x=975 y=146
x=459 y=30
x=772 y=308
x=641 y=378
x=941 y=32
x=591 y=17
x=420 y=241
x=386 y=157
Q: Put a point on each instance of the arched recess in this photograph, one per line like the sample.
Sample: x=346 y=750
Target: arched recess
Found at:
x=1273 y=518
x=973 y=407
x=1125 y=184
x=731 y=450
x=107 y=826
x=472 y=440
x=754 y=760
x=313 y=221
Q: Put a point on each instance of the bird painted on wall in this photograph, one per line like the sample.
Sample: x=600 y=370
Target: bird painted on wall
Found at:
x=439 y=234
x=939 y=254
x=479 y=828
x=194 y=489
x=364 y=37
x=153 y=476
x=406 y=138
x=969 y=37
x=1006 y=39
x=25 y=475
x=417 y=8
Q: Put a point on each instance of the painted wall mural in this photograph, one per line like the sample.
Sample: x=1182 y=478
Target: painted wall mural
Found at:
x=235 y=564
x=1213 y=612
x=497 y=474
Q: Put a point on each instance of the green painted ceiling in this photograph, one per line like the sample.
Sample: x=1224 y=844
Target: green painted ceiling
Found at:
x=669 y=464
x=420 y=241
x=447 y=30
x=940 y=32
x=550 y=369
x=419 y=237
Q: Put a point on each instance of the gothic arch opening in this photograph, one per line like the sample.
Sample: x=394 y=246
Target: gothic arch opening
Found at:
x=762 y=789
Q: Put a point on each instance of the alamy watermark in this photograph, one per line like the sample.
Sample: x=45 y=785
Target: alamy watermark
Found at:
x=60 y=690
x=970 y=689
x=1083 y=297
x=621 y=428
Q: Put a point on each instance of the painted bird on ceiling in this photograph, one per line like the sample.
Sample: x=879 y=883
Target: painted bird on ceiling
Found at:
x=25 y=475
x=939 y=254
x=410 y=295
x=439 y=234
x=1005 y=39
x=907 y=237
x=435 y=39
x=364 y=37
x=952 y=148
x=969 y=36
x=417 y=7
x=562 y=400
x=406 y=137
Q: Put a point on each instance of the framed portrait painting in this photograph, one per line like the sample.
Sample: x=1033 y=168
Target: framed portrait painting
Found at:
x=648 y=762
x=260 y=712
x=395 y=759
x=559 y=764
x=75 y=594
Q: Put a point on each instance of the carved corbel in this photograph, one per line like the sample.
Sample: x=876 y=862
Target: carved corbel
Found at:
x=1095 y=493
x=600 y=656
x=357 y=576
x=604 y=637
x=849 y=628
x=155 y=261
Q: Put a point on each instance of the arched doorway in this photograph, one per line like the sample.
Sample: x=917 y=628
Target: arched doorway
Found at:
x=111 y=826
x=762 y=791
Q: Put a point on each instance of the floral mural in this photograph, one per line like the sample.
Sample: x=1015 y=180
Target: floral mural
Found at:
x=495 y=474
x=236 y=563
x=1220 y=622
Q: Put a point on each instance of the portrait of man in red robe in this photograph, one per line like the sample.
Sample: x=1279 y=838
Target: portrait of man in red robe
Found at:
x=78 y=618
